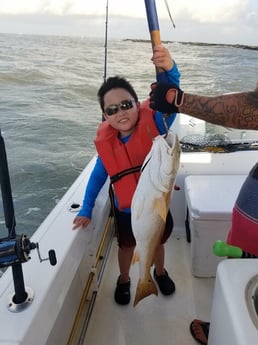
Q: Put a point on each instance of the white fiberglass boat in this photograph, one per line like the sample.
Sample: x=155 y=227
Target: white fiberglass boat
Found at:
x=71 y=302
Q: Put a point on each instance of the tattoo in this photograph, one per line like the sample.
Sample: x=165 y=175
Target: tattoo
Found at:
x=239 y=110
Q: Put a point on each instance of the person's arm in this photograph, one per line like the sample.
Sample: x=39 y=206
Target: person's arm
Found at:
x=237 y=110
x=96 y=181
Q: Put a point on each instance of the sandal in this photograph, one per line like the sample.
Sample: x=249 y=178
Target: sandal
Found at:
x=200 y=331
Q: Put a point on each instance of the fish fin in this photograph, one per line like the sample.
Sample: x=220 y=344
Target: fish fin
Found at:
x=161 y=207
x=144 y=289
x=135 y=258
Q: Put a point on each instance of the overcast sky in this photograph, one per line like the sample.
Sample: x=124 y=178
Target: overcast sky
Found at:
x=218 y=21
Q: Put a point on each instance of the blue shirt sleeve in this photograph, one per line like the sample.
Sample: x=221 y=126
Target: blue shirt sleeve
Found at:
x=172 y=76
x=96 y=182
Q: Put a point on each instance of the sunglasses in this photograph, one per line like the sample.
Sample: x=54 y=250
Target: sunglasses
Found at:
x=124 y=105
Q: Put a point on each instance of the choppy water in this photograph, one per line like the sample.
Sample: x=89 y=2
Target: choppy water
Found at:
x=49 y=111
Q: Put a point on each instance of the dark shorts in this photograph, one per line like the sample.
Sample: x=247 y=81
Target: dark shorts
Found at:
x=124 y=231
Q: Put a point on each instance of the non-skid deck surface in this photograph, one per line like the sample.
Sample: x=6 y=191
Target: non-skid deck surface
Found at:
x=156 y=320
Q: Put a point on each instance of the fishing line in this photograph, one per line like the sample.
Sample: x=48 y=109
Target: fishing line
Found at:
x=169 y=13
x=165 y=124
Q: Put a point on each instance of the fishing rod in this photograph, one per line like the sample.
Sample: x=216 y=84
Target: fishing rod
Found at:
x=15 y=249
x=5 y=244
x=154 y=30
x=153 y=21
x=6 y=190
x=153 y=24
x=106 y=50
x=106 y=37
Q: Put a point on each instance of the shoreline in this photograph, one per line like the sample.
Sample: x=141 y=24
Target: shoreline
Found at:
x=223 y=45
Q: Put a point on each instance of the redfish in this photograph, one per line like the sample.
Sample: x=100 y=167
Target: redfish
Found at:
x=150 y=206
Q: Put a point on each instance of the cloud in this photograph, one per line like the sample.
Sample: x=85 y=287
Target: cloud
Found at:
x=60 y=7
x=20 y=7
x=252 y=19
x=220 y=21
x=202 y=10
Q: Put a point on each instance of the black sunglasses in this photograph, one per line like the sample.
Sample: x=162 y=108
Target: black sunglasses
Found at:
x=124 y=105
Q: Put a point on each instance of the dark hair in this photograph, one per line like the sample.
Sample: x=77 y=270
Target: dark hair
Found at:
x=115 y=83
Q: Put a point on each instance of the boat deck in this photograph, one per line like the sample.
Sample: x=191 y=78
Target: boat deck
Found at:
x=155 y=319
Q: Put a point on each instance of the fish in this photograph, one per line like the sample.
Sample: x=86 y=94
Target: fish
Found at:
x=150 y=205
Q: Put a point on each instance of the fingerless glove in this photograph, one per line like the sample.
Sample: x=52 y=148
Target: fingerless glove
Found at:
x=159 y=94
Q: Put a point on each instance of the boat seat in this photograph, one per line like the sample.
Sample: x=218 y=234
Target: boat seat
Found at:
x=209 y=203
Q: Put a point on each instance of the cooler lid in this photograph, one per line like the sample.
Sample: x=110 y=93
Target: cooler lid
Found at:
x=212 y=197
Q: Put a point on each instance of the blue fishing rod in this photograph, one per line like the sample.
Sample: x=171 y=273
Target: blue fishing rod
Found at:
x=153 y=23
x=15 y=249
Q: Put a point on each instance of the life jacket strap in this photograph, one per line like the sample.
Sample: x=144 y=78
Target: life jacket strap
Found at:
x=123 y=173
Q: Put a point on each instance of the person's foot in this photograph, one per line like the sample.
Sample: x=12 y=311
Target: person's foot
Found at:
x=122 y=292
x=165 y=283
x=200 y=331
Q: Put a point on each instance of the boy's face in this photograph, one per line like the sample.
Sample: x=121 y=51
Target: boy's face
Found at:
x=125 y=110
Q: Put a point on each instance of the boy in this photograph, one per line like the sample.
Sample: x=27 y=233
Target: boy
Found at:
x=123 y=140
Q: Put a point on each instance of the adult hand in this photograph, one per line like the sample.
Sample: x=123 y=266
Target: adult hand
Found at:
x=166 y=98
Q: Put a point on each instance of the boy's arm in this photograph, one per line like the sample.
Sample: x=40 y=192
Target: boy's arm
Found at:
x=171 y=76
x=96 y=181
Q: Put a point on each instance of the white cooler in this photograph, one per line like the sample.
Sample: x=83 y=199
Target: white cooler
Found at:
x=209 y=202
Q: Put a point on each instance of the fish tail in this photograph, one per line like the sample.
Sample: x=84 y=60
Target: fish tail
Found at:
x=145 y=288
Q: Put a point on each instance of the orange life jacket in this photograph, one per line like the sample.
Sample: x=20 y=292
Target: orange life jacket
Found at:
x=123 y=161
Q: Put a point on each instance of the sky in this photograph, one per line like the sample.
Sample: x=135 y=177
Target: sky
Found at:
x=218 y=21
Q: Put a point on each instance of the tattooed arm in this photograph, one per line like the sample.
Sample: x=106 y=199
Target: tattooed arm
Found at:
x=239 y=110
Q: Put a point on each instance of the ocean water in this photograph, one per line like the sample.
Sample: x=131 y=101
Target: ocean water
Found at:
x=49 y=111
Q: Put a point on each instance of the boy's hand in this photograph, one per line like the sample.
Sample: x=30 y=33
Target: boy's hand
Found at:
x=80 y=222
x=162 y=58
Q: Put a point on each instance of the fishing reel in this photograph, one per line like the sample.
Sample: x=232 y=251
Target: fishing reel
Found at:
x=17 y=250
